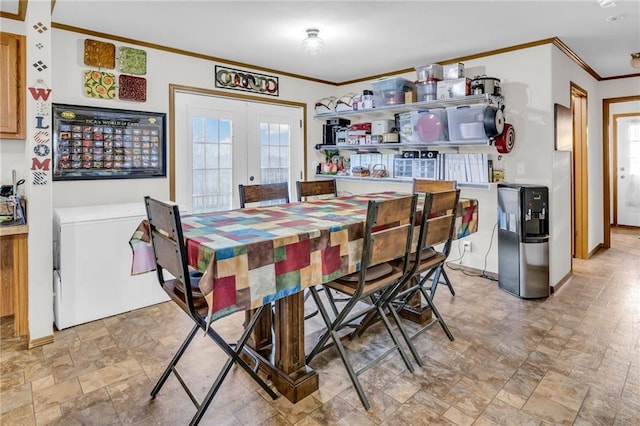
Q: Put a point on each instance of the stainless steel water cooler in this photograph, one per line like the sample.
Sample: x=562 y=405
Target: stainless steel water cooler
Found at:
x=523 y=240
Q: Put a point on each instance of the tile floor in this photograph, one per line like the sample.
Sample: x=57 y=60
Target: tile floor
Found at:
x=573 y=358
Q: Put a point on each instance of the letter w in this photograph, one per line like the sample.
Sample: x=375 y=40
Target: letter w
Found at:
x=38 y=92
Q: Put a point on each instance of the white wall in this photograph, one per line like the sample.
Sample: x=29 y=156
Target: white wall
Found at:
x=163 y=69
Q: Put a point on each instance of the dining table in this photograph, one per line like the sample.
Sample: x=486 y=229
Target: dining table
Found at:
x=270 y=254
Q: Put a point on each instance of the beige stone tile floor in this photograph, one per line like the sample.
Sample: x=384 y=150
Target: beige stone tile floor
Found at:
x=573 y=358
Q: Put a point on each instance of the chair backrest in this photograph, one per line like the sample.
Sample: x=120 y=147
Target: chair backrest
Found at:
x=263 y=192
x=388 y=232
x=316 y=188
x=169 y=250
x=439 y=219
x=424 y=185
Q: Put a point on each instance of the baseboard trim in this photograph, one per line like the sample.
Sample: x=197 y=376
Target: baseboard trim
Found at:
x=595 y=250
x=41 y=341
x=562 y=281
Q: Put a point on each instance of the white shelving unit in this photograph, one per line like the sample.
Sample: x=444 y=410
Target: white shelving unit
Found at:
x=385 y=111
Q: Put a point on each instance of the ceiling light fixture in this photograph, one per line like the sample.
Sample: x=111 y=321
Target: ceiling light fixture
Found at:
x=312 y=45
x=606 y=3
x=635 y=60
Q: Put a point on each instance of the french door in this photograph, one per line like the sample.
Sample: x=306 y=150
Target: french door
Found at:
x=628 y=170
x=223 y=142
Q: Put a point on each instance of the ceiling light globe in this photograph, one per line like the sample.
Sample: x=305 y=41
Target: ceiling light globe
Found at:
x=312 y=45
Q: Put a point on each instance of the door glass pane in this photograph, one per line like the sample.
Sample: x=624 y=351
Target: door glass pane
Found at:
x=275 y=142
x=211 y=176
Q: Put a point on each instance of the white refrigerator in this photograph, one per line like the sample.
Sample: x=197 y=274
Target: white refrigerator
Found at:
x=92 y=264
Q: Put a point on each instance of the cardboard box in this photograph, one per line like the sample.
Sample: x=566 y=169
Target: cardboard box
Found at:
x=453 y=88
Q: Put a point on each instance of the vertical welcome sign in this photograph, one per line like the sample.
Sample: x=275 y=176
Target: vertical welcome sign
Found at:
x=41 y=133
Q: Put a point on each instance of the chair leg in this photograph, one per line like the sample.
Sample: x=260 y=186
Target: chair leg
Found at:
x=387 y=324
x=352 y=374
x=234 y=357
x=436 y=313
x=174 y=361
x=319 y=346
x=405 y=336
x=447 y=281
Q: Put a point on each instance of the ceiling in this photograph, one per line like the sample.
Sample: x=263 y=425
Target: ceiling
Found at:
x=365 y=38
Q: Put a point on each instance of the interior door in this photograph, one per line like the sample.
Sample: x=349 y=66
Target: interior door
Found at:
x=628 y=170
x=223 y=142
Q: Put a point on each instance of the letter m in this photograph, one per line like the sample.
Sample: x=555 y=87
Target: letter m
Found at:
x=40 y=165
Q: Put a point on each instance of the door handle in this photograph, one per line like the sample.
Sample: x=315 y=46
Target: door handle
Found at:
x=251 y=178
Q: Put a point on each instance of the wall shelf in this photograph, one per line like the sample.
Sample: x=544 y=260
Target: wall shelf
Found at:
x=469 y=185
x=401 y=145
x=384 y=111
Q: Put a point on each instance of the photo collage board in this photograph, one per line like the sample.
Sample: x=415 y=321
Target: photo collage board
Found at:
x=105 y=143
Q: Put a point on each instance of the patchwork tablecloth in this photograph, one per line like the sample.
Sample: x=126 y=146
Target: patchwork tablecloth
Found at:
x=253 y=256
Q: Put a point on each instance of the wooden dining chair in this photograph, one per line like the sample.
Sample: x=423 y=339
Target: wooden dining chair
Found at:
x=436 y=228
x=387 y=235
x=316 y=188
x=166 y=236
x=424 y=186
x=271 y=193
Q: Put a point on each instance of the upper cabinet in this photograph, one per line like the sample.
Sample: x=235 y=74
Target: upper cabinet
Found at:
x=12 y=86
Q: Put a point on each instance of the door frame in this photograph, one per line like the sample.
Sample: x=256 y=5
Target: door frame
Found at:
x=580 y=190
x=606 y=172
x=614 y=162
x=174 y=88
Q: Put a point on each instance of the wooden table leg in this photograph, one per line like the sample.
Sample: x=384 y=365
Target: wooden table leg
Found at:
x=415 y=311
x=286 y=363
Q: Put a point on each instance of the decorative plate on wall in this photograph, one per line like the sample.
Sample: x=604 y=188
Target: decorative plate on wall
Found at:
x=99 y=54
x=133 y=61
x=132 y=88
x=98 y=84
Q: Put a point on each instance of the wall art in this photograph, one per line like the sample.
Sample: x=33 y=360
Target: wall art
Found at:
x=105 y=143
x=247 y=81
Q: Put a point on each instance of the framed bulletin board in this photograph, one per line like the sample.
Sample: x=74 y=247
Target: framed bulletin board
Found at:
x=105 y=143
x=563 y=125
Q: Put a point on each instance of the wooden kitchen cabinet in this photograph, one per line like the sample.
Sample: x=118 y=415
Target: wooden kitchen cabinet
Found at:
x=12 y=86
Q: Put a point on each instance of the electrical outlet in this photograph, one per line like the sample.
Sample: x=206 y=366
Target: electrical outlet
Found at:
x=466 y=245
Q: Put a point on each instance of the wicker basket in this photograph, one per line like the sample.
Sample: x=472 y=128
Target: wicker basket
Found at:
x=360 y=172
x=379 y=171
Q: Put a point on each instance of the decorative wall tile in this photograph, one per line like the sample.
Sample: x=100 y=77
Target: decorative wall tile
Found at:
x=133 y=61
x=99 y=54
x=98 y=84
x=132 y=88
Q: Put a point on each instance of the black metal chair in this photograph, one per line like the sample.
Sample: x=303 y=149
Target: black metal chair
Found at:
x=387 y=235
x=437 y=226
x=166 y=236
x=316 y=189
x=421 y=186
x=267 y=192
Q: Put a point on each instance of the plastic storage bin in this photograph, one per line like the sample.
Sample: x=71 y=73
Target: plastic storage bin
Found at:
x=466 y=122
x=427 y=90
x=424 y=126
x=429 y=72
x=424 y=168
x=403 y=168
x=391 y=90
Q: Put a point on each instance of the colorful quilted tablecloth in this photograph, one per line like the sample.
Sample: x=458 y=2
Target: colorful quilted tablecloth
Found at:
x=254 y=256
